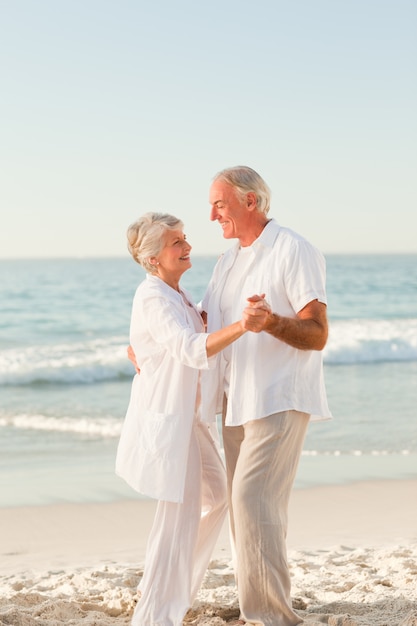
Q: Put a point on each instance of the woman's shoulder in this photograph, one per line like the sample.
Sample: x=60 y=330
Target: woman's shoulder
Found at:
x=154 y=287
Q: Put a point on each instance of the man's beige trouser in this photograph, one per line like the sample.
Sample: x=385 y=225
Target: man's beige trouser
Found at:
x=261 y=462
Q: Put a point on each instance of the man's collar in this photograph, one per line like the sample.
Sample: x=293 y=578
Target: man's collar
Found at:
x=268 y=236
x=266 y=240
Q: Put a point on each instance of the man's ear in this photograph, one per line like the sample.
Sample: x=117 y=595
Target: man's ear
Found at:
x=251 y=201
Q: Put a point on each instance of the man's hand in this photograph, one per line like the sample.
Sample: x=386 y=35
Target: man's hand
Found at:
x=307 y=331
x=255 y=316
x=132 y=357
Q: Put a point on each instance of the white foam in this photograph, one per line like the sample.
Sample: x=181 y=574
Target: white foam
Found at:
x=98 y=426
x=353 y=452
x=350 y=342
x=87 y=362
x=371 y=341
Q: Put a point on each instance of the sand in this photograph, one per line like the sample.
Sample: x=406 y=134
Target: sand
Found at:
x=352 y=551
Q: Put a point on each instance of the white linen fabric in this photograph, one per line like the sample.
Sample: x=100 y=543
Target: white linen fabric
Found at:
x=268 y=376
x=235 y=280
x=153 y=447
x=183 y=537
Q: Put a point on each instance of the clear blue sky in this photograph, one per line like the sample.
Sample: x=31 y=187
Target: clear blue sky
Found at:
x=113 y=108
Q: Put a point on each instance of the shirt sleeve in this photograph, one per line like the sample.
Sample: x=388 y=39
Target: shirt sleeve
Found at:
x=305 y=276
x=168 y=326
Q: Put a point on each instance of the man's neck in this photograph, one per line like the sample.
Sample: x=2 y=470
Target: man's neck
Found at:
x=253 y=232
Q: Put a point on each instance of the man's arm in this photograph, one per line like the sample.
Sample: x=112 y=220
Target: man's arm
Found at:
x=307 y=331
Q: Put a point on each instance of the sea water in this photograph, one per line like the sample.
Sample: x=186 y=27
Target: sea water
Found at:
x=65 y=378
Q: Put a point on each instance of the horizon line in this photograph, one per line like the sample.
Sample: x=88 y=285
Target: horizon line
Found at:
x=197 y=255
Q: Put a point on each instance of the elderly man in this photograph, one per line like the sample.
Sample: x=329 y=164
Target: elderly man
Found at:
x=268 y=386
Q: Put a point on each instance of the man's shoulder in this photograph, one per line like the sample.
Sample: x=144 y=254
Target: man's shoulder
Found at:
x=289 y=246
x=290 y=236
x=276 y=235
x=283 y=241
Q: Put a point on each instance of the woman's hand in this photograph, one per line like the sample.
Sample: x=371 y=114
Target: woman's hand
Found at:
x=132 y=357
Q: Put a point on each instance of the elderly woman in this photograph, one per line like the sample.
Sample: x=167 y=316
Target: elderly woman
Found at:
x=165 y=450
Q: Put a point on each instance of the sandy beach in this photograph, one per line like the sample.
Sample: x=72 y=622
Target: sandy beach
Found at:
x=352 y=551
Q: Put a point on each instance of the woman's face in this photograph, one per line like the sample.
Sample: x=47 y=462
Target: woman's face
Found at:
x=174 y=258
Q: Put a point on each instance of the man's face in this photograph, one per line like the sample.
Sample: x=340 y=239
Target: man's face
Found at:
x=228 y=209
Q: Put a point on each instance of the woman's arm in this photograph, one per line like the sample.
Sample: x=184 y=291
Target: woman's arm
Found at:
x=216 y=341
x=220 y=339
x=132 y=357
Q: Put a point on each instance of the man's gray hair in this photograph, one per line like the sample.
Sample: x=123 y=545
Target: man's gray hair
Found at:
x=145 y=237
x=244 y=179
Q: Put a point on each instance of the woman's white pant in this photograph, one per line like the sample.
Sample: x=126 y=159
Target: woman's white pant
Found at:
x=183 y=536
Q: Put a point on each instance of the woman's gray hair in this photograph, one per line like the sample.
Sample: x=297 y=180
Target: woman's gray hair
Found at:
x=245 y=180
x=145 y=237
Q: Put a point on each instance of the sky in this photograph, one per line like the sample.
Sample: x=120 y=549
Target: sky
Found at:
x=110 y=109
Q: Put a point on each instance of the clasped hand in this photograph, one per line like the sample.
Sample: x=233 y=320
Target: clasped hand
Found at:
x=254 y=318
x=256 y=315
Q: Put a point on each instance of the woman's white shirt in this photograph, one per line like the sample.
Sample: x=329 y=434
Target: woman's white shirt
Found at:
x=170 y=349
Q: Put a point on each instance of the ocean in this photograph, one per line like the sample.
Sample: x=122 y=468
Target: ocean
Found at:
x=65 y=377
